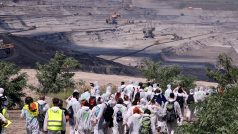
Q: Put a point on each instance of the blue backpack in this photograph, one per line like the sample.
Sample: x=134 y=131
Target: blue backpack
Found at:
x=119 y=116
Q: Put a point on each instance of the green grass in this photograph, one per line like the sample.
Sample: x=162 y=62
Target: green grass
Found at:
x=61 y=95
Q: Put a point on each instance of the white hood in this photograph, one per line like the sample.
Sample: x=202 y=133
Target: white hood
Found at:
x=168 y=86
x=150 y=89
x=54 y=109
x=109 y=90
x=41 y=102
x=119 y=105
x=85 y=108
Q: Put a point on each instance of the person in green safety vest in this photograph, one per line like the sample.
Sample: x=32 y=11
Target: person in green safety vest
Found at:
x=55 y=121
x=4 y=122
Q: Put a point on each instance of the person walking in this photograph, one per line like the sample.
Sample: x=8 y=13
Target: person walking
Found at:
x=85 y=95
x=83 y=119
x=42 y=109
x=30 y=113
x=154 y=108
x=146 y=123
x=173 y=114
x=180 y=98
x=73 y=107
x=55 y=121
x=97 y=116
x=168 y=91
x=3 y=122
x=191 y=100
x=66 y=113
x=119 y=117
x=134 y=121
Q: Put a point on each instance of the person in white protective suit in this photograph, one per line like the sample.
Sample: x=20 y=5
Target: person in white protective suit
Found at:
x=119 y=117
x=95 y=90
x=168 y=91
x=83 y=119
x=97 y=116
x=134 y=121
x=129 y=90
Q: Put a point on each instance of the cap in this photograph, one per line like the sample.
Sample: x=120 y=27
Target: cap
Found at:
x=75 y=90
x=1 y=90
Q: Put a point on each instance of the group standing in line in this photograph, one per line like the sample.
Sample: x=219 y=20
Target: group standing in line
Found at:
x=135 y=108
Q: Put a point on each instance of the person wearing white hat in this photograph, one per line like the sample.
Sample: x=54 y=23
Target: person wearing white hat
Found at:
x=85 y=95
x=190 y=102
x=73 y=106
x=97 y=116
x=108 y=92
x=168 y=91
x=95 y=90
x=129 y=89
x=71 y=96
x=119 y=117
x=155 y=86
x=150 y=93
x=123 y=86
x=173 y=114
x=3 y=98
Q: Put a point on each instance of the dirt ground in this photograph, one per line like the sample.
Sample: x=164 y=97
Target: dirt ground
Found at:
x=18 y=124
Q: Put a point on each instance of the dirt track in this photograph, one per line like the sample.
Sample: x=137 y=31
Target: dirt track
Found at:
x=18 y=124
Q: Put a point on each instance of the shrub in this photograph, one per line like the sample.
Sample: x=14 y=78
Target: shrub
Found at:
x=225 y=73
x=216 y=115
x=164 y=75
x=56 y=76
x=13 y=81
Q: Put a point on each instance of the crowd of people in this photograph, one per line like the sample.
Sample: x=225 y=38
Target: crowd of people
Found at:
x=135 y=108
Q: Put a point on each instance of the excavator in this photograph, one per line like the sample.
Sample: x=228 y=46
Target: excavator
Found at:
x=6 y=48
x=112 y=19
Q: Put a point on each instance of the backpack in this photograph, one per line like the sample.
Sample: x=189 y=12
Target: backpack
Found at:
x=145 y=126
x=108 y=115
x=97 y=111
x=71 y=112
x=119 y=116
x=137 y=96
x=160 y=99
x=180 y=100
x=86 y=119
x=92 y=102
x=85 y=115
x=190 y=99
x=41 y=115
x=171 y=114
x=155 y=97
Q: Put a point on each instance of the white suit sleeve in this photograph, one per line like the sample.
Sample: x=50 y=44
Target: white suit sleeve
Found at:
x=103 y=106
x=64 y=122
x=178 y=110
x=45 y=122
x=3 y=118
x=129 y=122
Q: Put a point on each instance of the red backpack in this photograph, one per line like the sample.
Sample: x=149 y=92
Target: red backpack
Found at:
x=92 y=102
